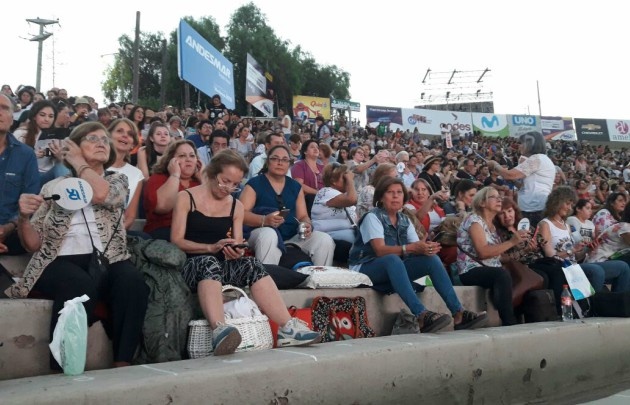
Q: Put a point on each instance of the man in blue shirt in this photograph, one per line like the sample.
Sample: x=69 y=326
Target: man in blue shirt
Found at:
x=18 y=174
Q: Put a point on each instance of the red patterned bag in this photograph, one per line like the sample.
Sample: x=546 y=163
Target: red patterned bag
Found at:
x=341 y=318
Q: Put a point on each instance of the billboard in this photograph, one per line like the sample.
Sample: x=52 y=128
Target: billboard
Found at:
x=558 y=128
x=308 y=107
x=591 y=129
x=256 y=92
x=521 y=124
x=201 y=65
x=427 y=122
x=618 y=130
x=491 y=124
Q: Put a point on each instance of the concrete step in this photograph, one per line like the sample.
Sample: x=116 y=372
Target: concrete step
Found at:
x=25 y=324
x=551 y=362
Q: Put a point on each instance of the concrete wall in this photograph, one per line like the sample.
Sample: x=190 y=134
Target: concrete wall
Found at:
x=24 y=325
x=536 y=363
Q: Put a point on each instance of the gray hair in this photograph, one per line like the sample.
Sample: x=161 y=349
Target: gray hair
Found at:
x=533 y=143
x=401 y=155
x=479 y=198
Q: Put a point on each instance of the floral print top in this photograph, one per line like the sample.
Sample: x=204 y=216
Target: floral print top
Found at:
x=602 y=220
x=464 y=242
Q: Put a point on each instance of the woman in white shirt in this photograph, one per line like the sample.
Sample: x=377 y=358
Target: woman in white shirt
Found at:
x=124 y=138
x=334 y=210
x=538 y=173
x=580 y=224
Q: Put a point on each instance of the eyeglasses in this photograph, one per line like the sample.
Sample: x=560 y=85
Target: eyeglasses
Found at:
x=276 y=159
x=281 y=205
x=96 y=139
x=496 y=197
x=231 y=189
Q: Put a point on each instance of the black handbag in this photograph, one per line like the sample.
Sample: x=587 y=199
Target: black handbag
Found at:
x=98 y=262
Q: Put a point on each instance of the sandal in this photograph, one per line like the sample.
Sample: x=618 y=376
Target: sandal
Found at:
x=472 y=320
x=433 y=321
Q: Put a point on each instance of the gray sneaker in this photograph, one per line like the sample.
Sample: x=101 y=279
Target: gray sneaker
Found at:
x=225 y=339
x=298 y=334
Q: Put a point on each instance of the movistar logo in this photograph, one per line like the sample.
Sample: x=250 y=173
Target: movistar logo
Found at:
x=489 y=123
x=207 y=55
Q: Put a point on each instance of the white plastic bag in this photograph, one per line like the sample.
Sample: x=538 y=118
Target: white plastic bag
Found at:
x=69 y=344
x=242 y=307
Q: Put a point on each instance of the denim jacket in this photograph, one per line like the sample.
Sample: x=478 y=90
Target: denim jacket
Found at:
x=363 y=252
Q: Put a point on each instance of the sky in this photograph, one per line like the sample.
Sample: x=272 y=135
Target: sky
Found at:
x=575 y=52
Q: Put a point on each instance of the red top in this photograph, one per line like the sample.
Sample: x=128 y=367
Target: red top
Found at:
x=156 y=221
x=301 y=170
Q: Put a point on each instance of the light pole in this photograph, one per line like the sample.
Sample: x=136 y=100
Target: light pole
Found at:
x=40 y=38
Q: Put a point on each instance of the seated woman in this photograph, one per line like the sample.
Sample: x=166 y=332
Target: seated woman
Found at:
x=614 y=242
x=62 y=242
x=124 y=139
x=611 y=213
x=333 y=210
x=308 y=172
x=274 y=206
x=580 y=224
x=561 y=246
x=154 y=147
x=464 y=193
x=388 y=250
x=480 y=250
x=208 y=226
x=178 y=170
x=366 y=194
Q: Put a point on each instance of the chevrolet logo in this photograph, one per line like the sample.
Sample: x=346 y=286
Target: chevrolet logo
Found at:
x=591 y=127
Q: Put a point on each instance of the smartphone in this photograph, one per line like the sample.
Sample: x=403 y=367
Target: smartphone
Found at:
x=283 y=213
x=239 y=246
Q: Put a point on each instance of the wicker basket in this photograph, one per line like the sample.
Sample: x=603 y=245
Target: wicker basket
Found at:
x=255 y=333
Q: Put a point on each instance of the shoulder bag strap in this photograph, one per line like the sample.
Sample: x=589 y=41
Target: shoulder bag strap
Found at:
x=471 y=256
x=88 y=228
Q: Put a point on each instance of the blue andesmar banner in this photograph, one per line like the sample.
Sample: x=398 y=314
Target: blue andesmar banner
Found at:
x=201 y=65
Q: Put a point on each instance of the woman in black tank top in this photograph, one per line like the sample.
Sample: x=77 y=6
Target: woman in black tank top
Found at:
x=208 y=226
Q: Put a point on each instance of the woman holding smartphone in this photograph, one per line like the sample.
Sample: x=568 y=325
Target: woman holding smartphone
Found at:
x=208 y=226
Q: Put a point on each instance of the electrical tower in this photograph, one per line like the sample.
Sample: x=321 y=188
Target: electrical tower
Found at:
x=40 y=38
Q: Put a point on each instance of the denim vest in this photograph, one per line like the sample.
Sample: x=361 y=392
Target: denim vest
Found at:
x=393 y=235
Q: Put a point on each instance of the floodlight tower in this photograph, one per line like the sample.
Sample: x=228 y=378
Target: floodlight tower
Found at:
x=40 y=38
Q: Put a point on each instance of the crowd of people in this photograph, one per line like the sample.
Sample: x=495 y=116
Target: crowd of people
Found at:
x=234 y=192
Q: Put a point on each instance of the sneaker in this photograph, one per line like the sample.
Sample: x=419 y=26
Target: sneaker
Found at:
x=297 y=333
x=225 y=339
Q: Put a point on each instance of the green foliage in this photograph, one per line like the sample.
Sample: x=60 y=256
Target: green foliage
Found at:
x=294 y=71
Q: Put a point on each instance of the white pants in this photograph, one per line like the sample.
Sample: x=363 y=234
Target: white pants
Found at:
x=319 y=246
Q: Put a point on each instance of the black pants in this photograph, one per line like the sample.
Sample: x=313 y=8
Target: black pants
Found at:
x=499 y=282
x=123 y=290
x=551 y=271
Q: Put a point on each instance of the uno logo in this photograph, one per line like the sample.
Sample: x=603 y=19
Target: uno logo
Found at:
x=489 y=123
x=523 y=120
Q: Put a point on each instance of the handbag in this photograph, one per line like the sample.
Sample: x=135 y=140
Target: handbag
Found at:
x=341 y=318
x=98 y=265
x=524 y=280
x=406 y=323
x=305 y=314
x=580 y=286
x=255 y=331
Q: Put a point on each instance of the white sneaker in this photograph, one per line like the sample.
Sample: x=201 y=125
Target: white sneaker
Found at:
x=297 y=333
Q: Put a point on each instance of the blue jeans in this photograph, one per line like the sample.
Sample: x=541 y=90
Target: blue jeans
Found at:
x=615 y=272
x=390 y=272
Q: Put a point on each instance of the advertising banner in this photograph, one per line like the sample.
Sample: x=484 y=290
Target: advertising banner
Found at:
x=345 y=104
x=201 y=65
x=521 y=124
x=618 y=130
x=308 y=107
x=436 y=122
x=491 y=124
x=558 y=128
x=591 y=129
x=256 y=91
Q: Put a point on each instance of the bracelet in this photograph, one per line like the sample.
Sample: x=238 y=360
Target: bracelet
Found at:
x=15 y=224
x=263 y=221
x=177 y=176
x=404 y=250
x=81 y=169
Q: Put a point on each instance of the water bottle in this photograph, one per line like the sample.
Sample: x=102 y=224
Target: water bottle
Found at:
x=567 y=304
